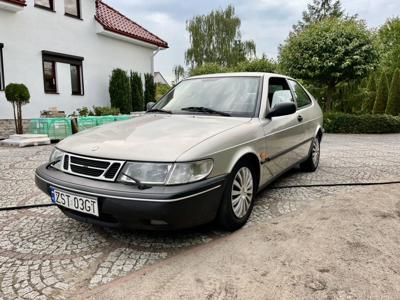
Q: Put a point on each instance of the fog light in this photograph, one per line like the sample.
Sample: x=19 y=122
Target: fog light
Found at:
x=158 y=222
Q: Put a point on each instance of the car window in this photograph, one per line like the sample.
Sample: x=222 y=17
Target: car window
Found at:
x=278 y=91
x=301 y=95
x=237 y=96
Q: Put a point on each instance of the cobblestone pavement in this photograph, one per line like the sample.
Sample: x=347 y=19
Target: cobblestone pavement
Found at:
x=44 y=255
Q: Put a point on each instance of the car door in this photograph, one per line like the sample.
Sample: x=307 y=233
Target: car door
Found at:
x=283 y=134
x=305 y=115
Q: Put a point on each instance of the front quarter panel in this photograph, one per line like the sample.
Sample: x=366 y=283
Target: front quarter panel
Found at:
x=228 y=147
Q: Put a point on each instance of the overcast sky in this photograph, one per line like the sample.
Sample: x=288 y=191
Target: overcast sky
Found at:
x=267 y=22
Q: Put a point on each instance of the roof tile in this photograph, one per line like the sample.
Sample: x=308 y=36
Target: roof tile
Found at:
x=113 y=20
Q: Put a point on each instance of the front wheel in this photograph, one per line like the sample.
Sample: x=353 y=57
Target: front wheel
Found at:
x=238 y=199
x=312 y=162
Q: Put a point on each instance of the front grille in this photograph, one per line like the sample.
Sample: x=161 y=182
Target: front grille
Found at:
x=101 y=169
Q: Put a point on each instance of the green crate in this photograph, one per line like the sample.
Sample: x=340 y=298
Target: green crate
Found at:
x=104 y=120
x=86 y=123
x=55 y=128
x=122 y=117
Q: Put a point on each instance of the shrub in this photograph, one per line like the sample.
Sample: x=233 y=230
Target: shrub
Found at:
x=106 y=111
x=367 y=123
x=18 y=95
x=83 y=112
x=393 y=105
x=150 y=89
x=137 y=92
x=161 y=90
x=120 y=91
x=369 y=101
x=381 y=95
x=256 y=65
x=208 y=68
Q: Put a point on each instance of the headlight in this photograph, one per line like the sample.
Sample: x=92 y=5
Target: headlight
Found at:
x=150 y=173
x=56 y=158
x=164 y=173
x=190 y=172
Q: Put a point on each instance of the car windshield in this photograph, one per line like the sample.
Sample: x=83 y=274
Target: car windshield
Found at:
x=224 y=96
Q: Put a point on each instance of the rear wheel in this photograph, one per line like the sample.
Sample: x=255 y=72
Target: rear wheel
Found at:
x=312 y=162
x=238 y=199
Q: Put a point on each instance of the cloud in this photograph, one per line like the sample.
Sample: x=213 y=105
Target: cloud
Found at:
x=267 y=22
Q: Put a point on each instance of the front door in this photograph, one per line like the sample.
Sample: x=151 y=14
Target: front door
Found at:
x=283 y=135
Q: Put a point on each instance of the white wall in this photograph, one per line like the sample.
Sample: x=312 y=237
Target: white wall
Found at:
x=25 y=34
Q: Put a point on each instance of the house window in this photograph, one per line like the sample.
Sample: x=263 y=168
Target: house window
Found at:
x=50 y=79
x=76 y=80
x=2 y=84
x=72 y=8
x=46 y=4
x=50 y=61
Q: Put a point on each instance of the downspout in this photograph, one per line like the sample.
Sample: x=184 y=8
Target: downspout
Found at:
x=152 y=59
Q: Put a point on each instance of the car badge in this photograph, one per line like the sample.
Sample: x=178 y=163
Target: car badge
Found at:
x=95 y=148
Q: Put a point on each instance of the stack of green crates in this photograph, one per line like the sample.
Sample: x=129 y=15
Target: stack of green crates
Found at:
x=104 y=120
x=55 y=128
x=122 y=117
x=87 y=122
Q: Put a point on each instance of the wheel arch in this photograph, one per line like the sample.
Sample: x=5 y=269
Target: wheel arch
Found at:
x=249 y=155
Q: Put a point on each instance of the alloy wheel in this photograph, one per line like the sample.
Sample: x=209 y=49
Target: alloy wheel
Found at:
x=242 y=192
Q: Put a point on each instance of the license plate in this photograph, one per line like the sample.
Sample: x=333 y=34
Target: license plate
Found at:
x=84 y=204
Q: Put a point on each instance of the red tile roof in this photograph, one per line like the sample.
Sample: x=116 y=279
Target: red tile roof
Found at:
x=17 y=2
x=112 y=20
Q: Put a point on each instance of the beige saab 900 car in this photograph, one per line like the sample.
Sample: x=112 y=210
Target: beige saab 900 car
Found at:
x=200 y=154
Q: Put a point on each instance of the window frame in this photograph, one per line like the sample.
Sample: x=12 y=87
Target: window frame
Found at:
x=295 y=95
x=288 y=85
x=51 y=8
x=2 y=82
x=56 y=57
x=80 y=79
x=79 y=15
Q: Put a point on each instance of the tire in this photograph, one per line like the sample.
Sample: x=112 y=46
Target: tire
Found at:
x=238 y=200
x=312 y=162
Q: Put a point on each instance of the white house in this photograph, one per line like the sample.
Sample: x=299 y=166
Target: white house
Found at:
x=64 y=52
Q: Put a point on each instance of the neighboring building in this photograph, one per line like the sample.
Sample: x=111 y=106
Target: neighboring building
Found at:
x=64 y=52
x=158 y=78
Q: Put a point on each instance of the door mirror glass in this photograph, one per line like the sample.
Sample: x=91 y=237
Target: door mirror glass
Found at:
x=282 y=109
x=150 y=105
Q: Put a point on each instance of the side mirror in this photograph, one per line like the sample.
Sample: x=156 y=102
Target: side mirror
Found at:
x=282 y=109
x=150 y=105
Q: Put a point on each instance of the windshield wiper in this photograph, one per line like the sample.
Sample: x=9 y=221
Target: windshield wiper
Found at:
x=202 y=109
x=137 y=182
x=158 y=110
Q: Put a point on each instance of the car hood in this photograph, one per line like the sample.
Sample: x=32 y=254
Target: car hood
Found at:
x=151 y=137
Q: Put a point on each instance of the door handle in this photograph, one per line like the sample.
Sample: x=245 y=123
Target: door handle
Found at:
x=299 y=118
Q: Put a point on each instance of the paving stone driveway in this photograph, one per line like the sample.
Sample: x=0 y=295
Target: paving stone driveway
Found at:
x=44 y=254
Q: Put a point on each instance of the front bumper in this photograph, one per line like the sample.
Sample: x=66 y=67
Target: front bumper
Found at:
x=125 y=206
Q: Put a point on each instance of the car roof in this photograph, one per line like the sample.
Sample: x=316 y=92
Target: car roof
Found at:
x=240 y=74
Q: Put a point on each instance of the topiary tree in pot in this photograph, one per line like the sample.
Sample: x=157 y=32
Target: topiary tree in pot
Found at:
x=18 y=95
x=150 y=89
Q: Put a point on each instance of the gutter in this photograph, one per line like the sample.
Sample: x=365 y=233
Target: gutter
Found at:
x=152 y=59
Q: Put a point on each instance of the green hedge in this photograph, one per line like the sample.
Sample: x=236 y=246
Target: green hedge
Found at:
x=348 y=123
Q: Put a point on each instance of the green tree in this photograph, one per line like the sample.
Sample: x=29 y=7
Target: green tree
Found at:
x=216 y=38
x=120 y=91
x=208 y=68
x=137 y=92
x=328 y=53
x=393 y=105
x=150 y=89
x=369 y=101
x=389 y=42
x=318 y=11
x=381 y=95
x=18 y=95
x=179 y=73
